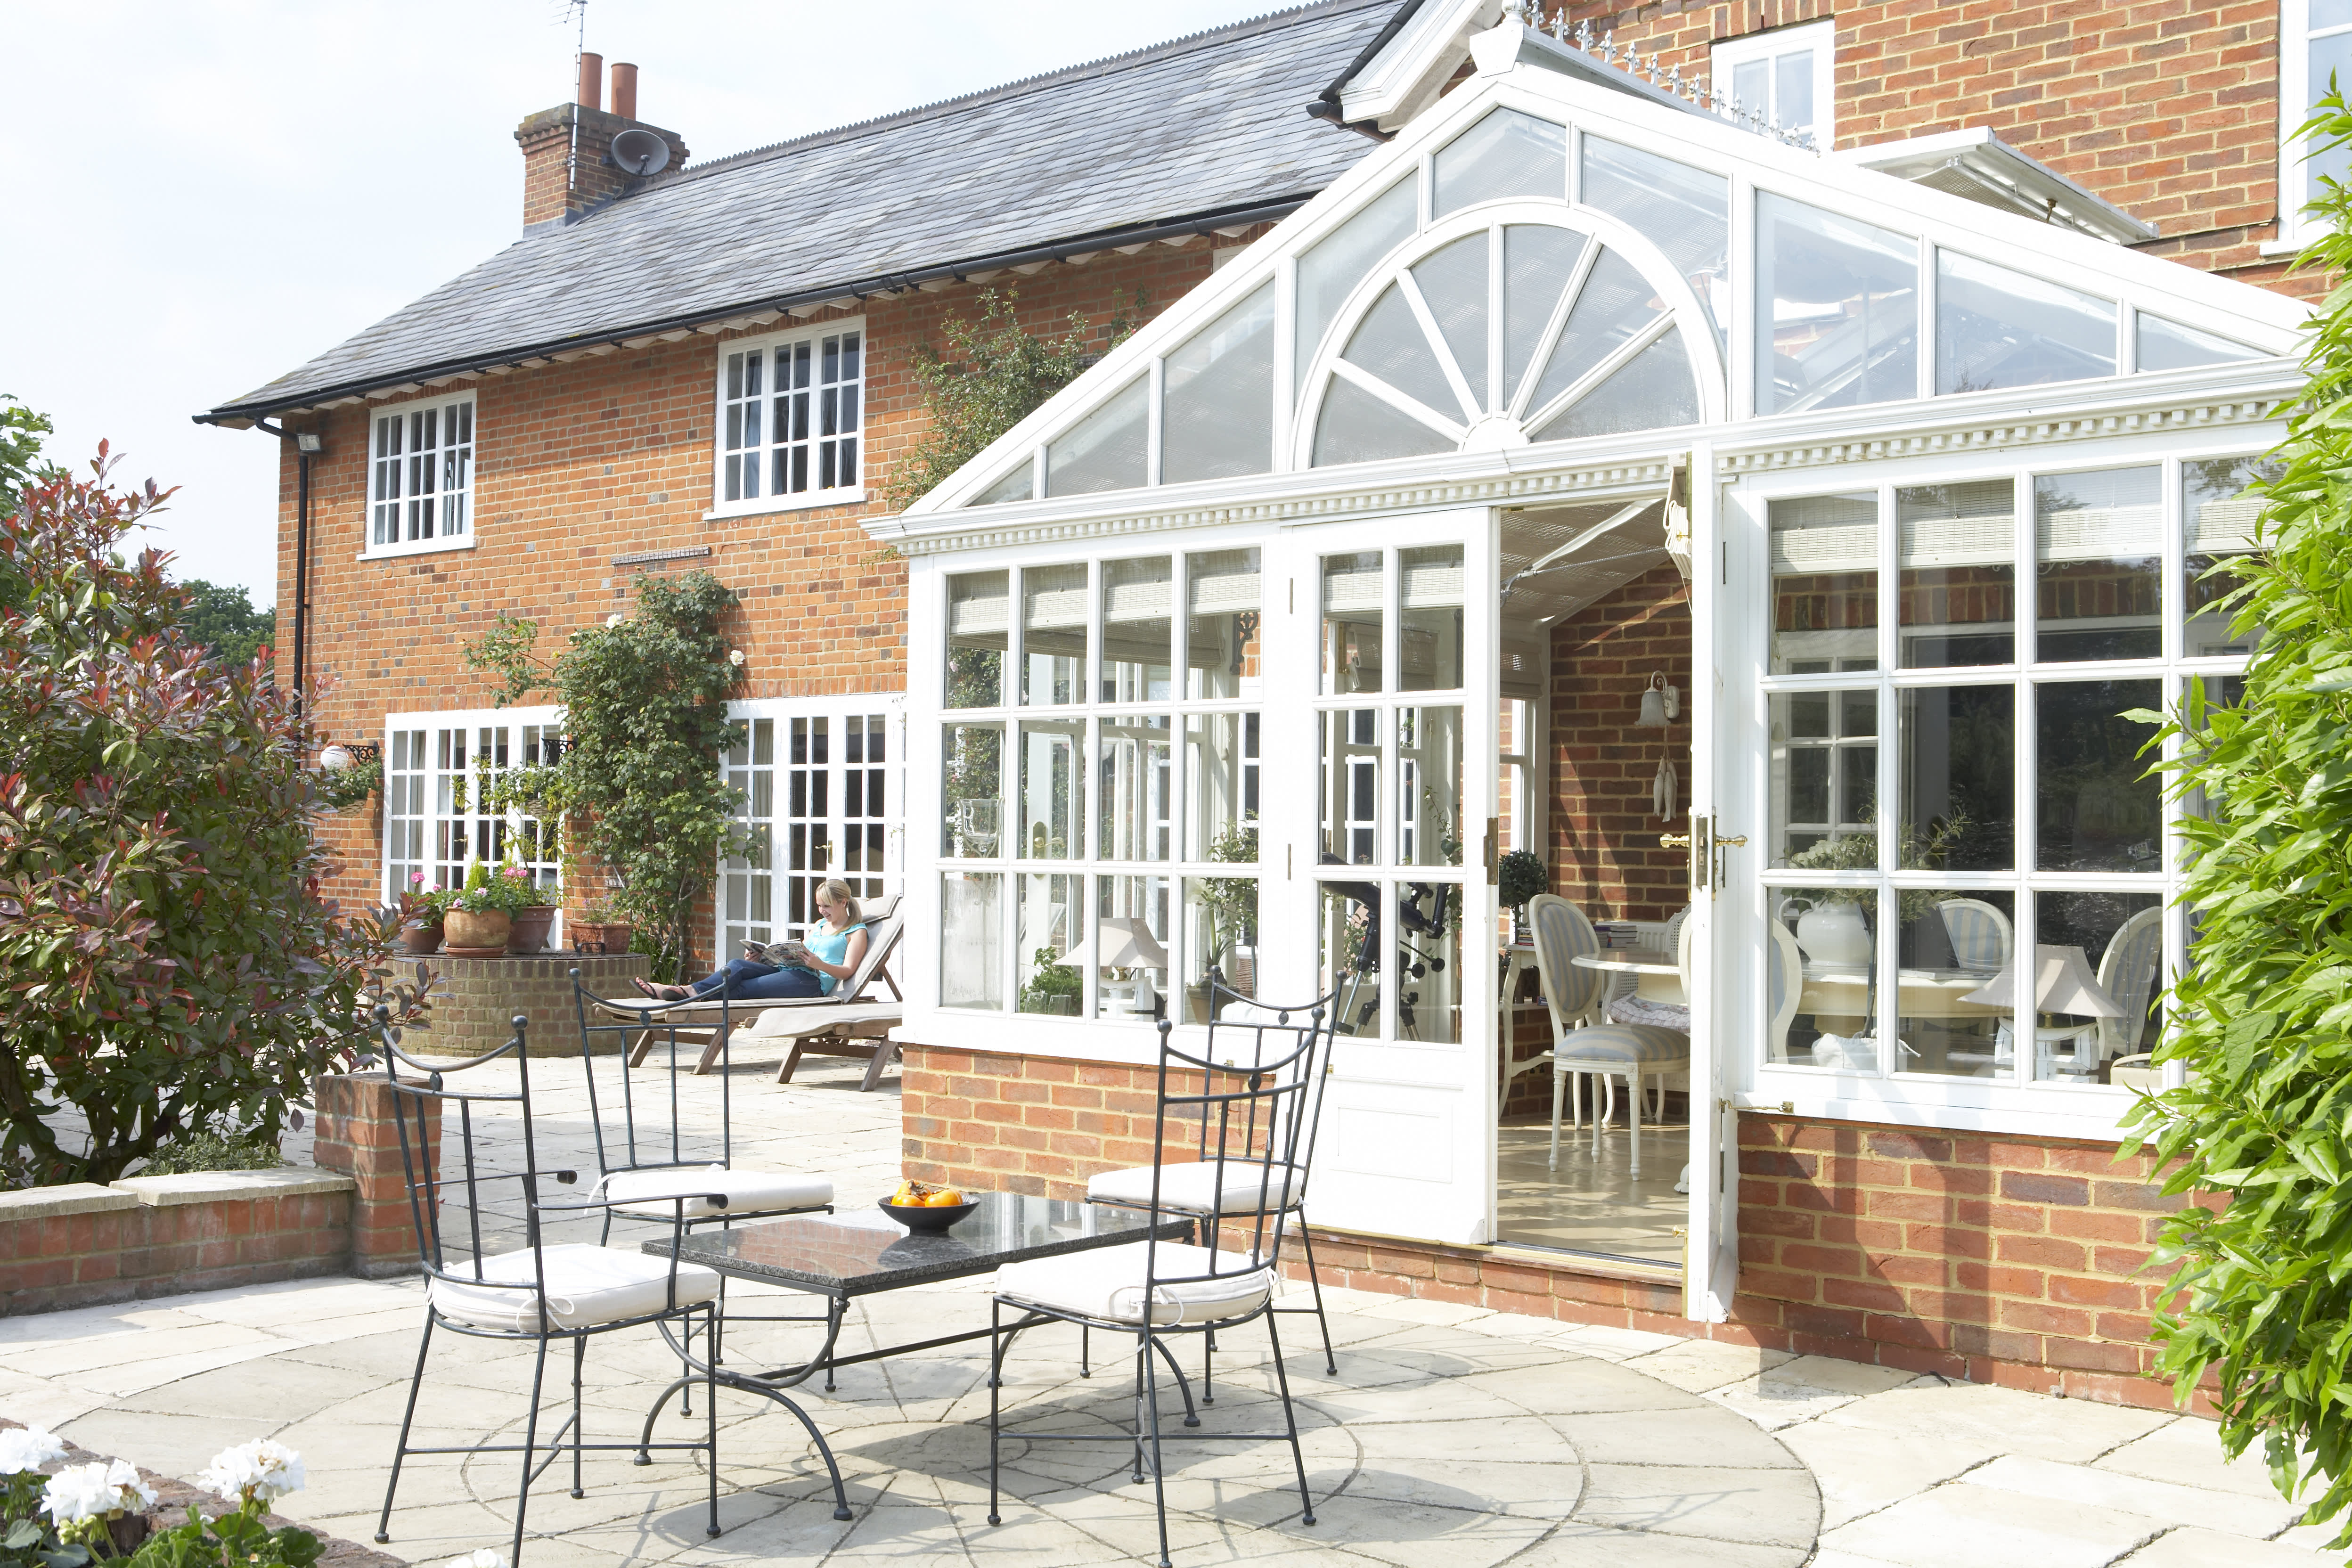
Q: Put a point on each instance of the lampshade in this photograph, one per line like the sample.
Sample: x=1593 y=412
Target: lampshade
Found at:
x=1123 y=944
x=2062 y=983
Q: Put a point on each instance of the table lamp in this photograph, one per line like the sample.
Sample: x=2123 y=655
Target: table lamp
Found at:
x=2062 y=983
x=1122 y=942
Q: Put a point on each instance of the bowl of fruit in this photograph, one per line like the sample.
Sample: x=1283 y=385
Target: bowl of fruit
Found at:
x=925 y=1209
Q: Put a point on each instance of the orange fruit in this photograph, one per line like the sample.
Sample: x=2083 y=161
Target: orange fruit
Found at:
x=943 y=1199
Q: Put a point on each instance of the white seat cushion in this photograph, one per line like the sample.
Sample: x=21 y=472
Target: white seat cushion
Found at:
x=1192 y=1187
x=1107 y=1284
x=1621 y=1046
x=585 y=1286
x=746 y=1192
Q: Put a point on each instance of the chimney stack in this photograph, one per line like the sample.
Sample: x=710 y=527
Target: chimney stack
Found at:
x=567 y=151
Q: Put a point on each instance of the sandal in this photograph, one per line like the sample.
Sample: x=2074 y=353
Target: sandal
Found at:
x=658 y=992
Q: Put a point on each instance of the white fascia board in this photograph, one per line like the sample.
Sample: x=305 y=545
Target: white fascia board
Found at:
x=1994 y=160
x=1411 y=70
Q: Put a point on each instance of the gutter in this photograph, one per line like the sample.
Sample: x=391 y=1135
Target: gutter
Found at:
x=240 y=415
x=1325 y=105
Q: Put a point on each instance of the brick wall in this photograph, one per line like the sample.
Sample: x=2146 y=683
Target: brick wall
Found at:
x=476 y=1000
x=2166 y=108
x=358 y=1135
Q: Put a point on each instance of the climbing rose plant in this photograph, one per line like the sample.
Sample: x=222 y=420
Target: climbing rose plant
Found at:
x=2261 y=1132
x=170 y=964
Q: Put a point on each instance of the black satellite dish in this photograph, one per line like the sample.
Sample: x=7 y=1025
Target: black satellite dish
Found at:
x=641 y=153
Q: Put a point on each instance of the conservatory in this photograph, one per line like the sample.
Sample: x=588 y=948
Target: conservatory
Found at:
x=1587 y=475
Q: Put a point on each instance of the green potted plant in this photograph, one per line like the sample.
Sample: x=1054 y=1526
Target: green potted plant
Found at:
x=1832 y=930
x=532 y=912
x=1229 y=906
x=1054 y=988
x=481 y=916
x=424 y=910
x=1520 y=876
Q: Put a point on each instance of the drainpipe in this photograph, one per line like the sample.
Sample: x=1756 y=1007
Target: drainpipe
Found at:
x=308 y=444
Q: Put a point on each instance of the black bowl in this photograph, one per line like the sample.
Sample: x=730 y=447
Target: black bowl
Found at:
x=925 y=1220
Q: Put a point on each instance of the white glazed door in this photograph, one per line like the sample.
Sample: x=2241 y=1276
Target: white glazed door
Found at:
x=819 y=783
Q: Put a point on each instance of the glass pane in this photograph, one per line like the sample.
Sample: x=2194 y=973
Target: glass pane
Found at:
x=2168 y=345
x=971 y=779
x=2100 y=542
x=1998 y=328
x=1957 y=548
x=1452 y=284
x=1053 y=634
x=978 y=624
x=1220 y=940
x=2217 y=520
x=1106 y=450
x=2099 y=969
x=1221 y=779
x=1348 y=955
x=2096 y=810
x=1613 y=307
x=1506 y=155
x=2330 y=57
x=1132 y=930
x=971 y=936
x=1329 y=272
x=1429 y=787
x=1954 y=946
x=1959 y=778
x=1354 y=598
x=1350 y=775
x=1216 y=400
x=1837 y=306
x=1048 y=918
x=1134 y=758
x=1792 y=91
x=1356 y=427
x=1653 y=391
x=1538 y=261
x=1392 y=345
x=1685 y=212
x=1824 y=552
x=1429 y=626
x=1825 y=780
x=1221 y=646
x=1052 y=791
x=1428 y=958
x=1014 y=486
x=1827 y=1019
x=1139 y=605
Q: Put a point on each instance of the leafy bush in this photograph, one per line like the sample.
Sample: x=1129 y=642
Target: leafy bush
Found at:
x=2263 y=1016
x=213 y=1152
x=170 y=962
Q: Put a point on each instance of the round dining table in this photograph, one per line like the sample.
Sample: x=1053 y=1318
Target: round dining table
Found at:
x=1837 y=996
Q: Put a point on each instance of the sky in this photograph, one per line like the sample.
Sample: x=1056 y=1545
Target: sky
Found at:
x=210 y=191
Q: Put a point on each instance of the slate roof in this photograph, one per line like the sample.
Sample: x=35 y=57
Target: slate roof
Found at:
x=1208 y=124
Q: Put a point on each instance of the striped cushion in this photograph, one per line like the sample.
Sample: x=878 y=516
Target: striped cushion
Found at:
x=1625 y=1046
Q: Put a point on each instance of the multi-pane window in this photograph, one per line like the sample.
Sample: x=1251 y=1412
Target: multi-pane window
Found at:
x=791 y=414
x=442 y=813
x=1783 y=78
x=421 y=472
x=816 y=793
x=2314 y=48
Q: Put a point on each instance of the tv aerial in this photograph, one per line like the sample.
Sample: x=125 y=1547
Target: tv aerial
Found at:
x=640 y=152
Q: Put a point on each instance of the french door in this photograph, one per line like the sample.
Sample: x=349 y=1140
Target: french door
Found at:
x=819 y=783
x=439 y=770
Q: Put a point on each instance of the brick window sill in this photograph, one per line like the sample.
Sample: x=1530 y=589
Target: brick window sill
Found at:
x=421 y=547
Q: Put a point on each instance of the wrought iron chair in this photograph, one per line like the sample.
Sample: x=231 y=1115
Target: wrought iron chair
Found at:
x=542 y=1293
x=1197 y=1188
x=1262 y=1108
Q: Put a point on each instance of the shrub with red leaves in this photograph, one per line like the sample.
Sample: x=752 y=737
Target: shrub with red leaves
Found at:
x=168 y=964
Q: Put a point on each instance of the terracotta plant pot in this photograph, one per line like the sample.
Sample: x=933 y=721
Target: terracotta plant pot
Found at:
x=529 y=933
x=471 y=935
x=418 y=937
x=605 y=936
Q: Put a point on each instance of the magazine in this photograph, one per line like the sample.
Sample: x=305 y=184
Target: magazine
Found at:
x=786 y=954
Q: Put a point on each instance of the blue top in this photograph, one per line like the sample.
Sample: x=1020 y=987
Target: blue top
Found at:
x=830 y=945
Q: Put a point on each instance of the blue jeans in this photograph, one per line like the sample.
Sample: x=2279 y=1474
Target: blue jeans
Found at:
x=748 y=982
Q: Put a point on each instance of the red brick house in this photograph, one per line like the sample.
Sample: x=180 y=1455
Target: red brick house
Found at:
x=1497 y=381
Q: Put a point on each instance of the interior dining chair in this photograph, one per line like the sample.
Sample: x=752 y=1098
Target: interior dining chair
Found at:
x=1608 y=1051
x=1980 y=934
x=1623 y=1006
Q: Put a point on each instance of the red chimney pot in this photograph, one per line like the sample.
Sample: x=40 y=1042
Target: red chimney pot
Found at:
x=624 y=90
x=592 y=80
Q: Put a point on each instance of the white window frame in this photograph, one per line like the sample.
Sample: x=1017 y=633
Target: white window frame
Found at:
x=392 y=497
x=425 y=793
x=812 y=446
x=734 y=907
x=1820 y=37
x=2296 y=92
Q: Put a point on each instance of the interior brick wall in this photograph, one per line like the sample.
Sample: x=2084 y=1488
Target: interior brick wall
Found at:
x=2168 y=109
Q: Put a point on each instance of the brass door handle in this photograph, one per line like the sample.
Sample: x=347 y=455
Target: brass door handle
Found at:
x=1738 y=843
x=1677 y=841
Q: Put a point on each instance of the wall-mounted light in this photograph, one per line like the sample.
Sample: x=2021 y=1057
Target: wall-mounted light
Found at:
x=335 y=757
x=310 y=443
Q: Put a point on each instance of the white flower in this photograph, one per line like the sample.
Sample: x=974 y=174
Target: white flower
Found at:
x=23 y=1450
x=610 y=622
x=735 y=656
x=479 y=1557
x=261 y=1468
x=95 y=1491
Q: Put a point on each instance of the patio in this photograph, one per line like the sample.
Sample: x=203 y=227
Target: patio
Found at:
x=1451 y=1434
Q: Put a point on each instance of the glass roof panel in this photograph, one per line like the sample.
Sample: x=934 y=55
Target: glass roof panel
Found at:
x=1837 y=309
x=2168 y=345
x=1653 y=391
x=1506 y=155
x=1538 y=262
x=1685 y=212
x=1453 y=286
x=1105 y=450
x=1340 y=260
x=1617 y=302
x=1014 y=486
x=1216 y=399
x=1392 y=345
x=1356 y=427
x=1998 y=328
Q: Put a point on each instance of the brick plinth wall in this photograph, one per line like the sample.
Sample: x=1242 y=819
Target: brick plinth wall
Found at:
x=357 y=1135
x=84 y=1245
x=475 y=1000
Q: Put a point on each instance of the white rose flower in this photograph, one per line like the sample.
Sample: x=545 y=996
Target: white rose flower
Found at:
x=479 y=1557
x=735 y=656
x=25 y=1450
x=95 y=1491
x=610 y=622
x=259 y=1469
